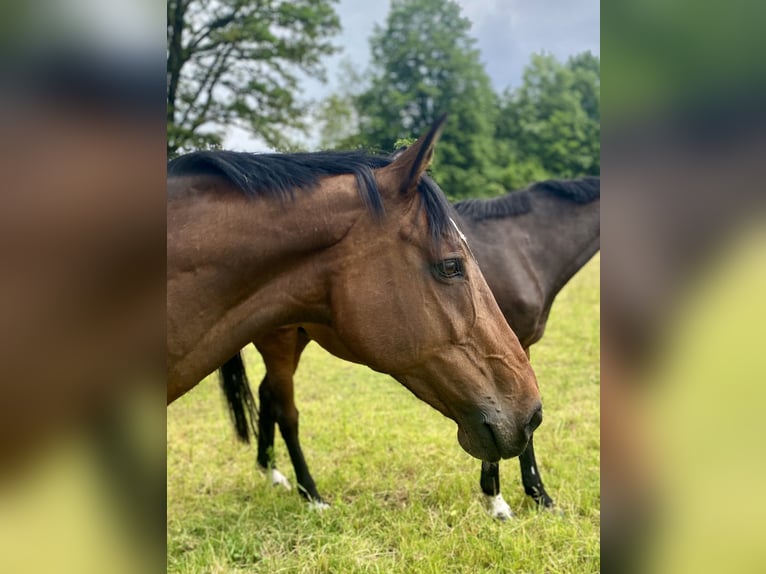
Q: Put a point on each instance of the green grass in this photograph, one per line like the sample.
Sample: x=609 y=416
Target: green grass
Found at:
x=405 y=497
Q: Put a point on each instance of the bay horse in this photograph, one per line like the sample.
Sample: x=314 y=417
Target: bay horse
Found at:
x=529 y=244
x=360 y=243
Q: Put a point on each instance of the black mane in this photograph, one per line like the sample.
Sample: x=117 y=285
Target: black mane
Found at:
x=281 y=175
x=514 y=203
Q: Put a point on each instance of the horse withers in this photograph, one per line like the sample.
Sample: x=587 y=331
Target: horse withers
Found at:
x=359 y=242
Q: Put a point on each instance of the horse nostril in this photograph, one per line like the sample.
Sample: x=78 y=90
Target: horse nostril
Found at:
x=534 y=421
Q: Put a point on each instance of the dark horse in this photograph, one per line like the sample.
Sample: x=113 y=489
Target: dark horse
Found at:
x=528 y=243
x=260 y=241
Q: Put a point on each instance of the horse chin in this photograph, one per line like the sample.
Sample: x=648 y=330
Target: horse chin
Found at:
x=486 y=444
x=479 y=444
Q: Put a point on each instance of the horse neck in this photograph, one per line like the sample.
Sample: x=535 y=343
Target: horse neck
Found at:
x=239 y=267
x=563 y=236
x=544 y=247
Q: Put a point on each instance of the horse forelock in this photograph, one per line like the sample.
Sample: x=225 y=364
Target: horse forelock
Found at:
x=282 y=175
x=438 y=211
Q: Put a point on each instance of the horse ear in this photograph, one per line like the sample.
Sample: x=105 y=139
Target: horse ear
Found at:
x=402 y=174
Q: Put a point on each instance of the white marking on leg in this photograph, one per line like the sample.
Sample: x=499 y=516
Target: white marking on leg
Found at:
x=318 y=505
x=279 y=479
x=497 y=507
x=532 y=468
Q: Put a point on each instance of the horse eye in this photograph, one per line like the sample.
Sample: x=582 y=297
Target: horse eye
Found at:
x=450 y=268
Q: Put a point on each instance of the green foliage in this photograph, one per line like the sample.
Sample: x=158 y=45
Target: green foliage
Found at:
x=425 y=64
x=236 y=63
x=700 y=54
x=336 y=117
x=404 y=142
x=405 y=497
x=336 y=121
x=553 y=118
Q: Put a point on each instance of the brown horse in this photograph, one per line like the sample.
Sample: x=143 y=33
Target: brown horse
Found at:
x=260 y=241
x=528 y=244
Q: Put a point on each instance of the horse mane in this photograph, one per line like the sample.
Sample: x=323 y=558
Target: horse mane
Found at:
x=583 y=190
x=279 y=176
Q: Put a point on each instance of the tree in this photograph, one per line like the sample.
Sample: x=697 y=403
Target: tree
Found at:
x=335 y=117
x=237 y=63
x=425 y=64
x=587 y=83
x=553 y=118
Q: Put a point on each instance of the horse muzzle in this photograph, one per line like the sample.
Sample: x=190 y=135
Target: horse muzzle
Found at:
x=493 y=437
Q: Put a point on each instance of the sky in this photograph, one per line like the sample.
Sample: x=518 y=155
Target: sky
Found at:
x=508 y=32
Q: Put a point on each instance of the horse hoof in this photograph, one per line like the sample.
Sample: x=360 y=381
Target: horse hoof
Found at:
x=318 y=505
x=554 y=510
x=497 y=507
x=279 y=479
x=546 y=504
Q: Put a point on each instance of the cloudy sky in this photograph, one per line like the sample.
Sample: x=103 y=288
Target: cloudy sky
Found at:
x=507 y=33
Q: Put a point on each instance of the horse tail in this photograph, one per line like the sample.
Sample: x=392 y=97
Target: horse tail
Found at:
x=242 y=406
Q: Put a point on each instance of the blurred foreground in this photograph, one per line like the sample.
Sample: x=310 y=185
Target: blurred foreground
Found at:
x=82 y=249
x=684 y=278
x=88 y=505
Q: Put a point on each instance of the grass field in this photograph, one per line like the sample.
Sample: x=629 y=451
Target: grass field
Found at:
x=405 y=497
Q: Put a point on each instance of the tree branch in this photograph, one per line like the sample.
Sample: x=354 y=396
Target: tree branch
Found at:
x=208 y=82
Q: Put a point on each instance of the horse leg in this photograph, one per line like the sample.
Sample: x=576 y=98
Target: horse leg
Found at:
x=281 y=354
x=530 y=477
x=266 y=424
x=530 y=474
x=490 y=486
